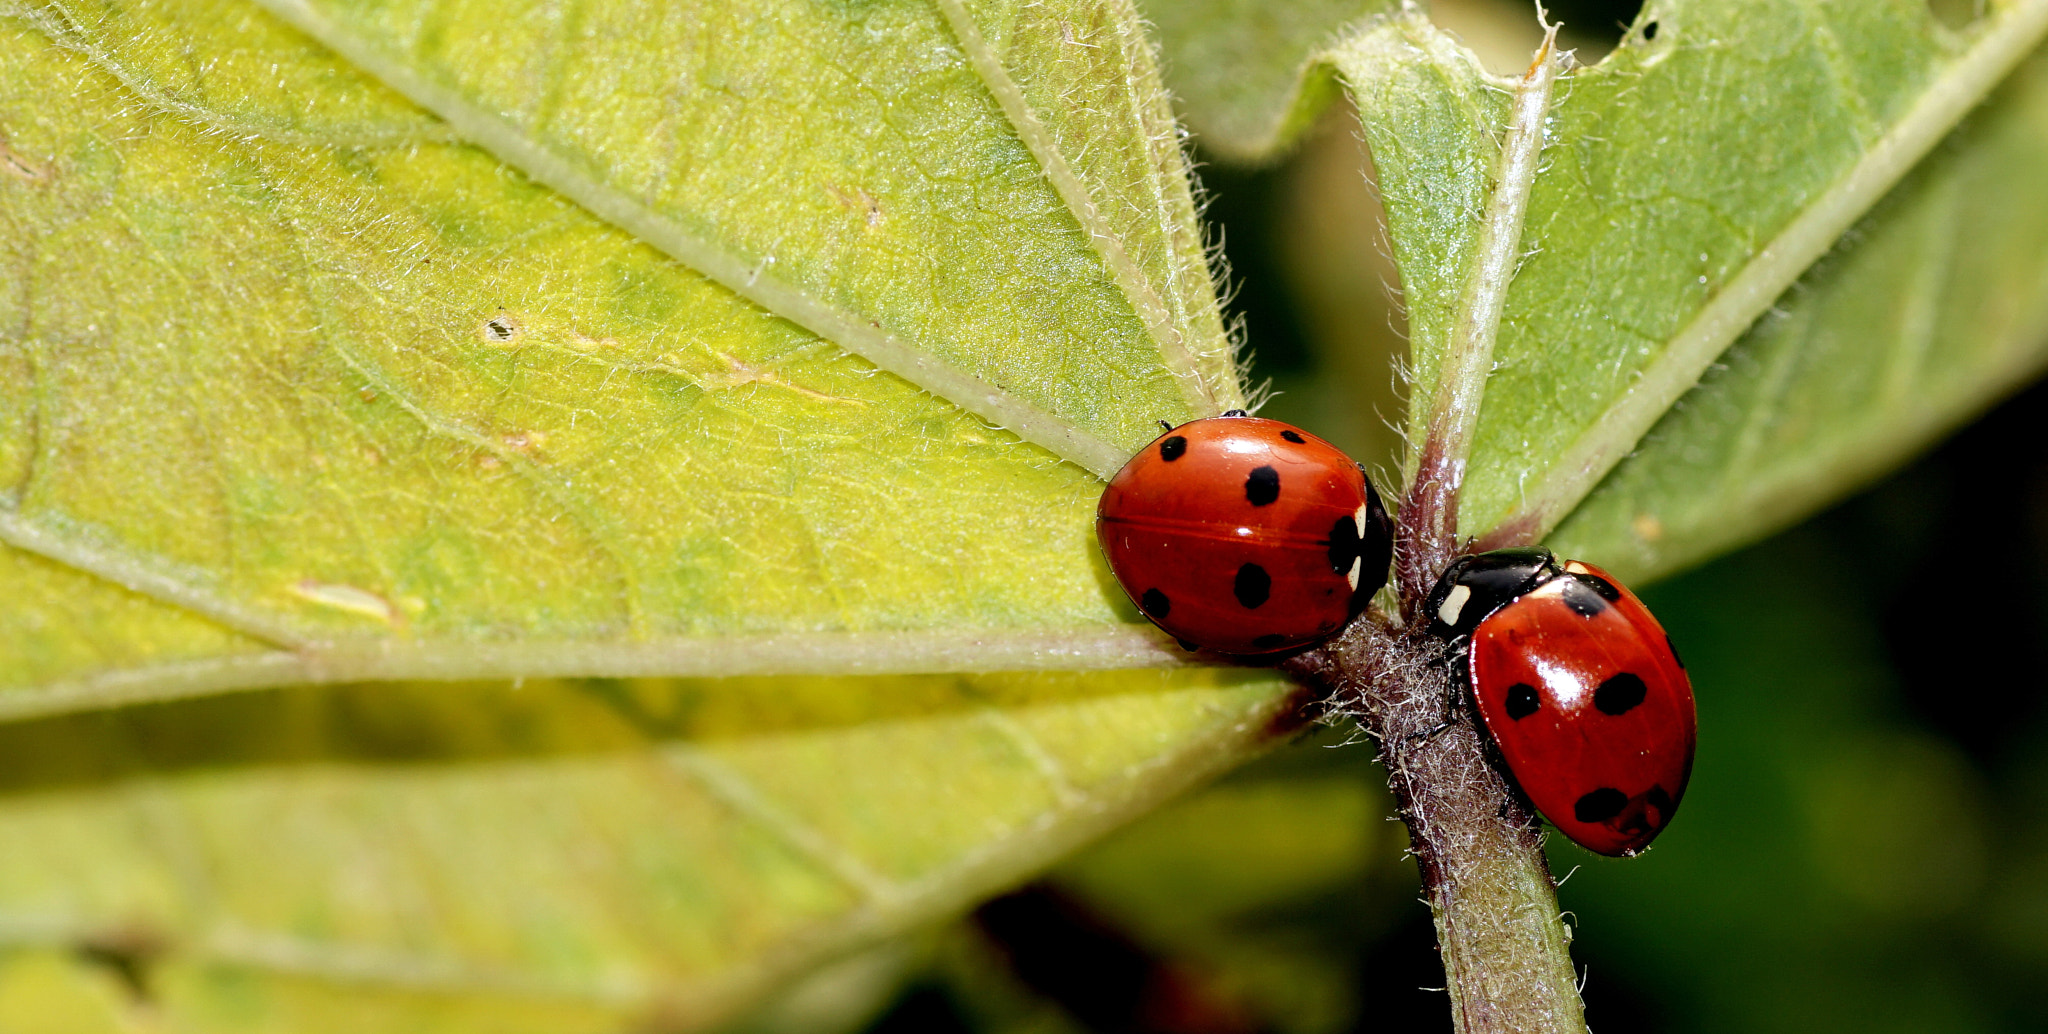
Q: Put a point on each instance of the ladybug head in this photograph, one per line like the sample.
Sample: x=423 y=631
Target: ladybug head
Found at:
x=1478 y=584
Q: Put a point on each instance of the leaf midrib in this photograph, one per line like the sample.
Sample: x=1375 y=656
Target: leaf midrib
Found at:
x=1167 y=336
x=754 y=280
x=1969 y=77
x=373 y=659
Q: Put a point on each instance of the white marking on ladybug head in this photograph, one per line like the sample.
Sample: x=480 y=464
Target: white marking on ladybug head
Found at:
x=1357 y=565
x=1574 y=567
x=1454 y=604
x=1359 y=517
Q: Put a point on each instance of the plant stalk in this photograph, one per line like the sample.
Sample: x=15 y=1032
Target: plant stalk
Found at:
x=1479 y=849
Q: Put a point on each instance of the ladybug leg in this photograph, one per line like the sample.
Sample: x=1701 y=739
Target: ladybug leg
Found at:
x=1451 y=708
x=1430 y=733
x=1165 y=425
x=1453 y=700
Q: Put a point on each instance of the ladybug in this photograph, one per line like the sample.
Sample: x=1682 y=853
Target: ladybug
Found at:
x=1244 y=535
x=1578 y=687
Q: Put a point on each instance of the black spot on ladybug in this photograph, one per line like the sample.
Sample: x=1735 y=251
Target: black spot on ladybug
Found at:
x=1155 y=603
x=1673 y=647
x=1600 y=585
x=1269 y=641
x=1600 y=805
x=1295 y=438
x=1522 y=701
x=1345 y=544
x=1584 y=600
x=1262 y=486
x=1620 y=694
x=1253 y=586
x=1173 y=448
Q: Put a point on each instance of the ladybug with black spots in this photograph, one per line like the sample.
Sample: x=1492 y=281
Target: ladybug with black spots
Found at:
x=1578 y=687
x=1244 y=535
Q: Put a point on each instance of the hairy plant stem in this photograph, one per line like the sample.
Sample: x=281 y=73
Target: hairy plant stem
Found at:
x=1476 y=843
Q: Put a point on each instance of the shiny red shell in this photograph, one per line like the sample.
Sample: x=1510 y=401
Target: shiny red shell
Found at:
x=1593 y=713
x=1244 y=535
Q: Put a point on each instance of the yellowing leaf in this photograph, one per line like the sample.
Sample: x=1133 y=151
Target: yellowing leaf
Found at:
x=620 y=852
x=323 y=378
x=301 y=387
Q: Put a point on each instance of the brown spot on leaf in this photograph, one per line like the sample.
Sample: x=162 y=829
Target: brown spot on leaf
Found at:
x=502 y=329
x=17 y=165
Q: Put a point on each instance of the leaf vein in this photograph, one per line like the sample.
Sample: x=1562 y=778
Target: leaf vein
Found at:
x=1160 y=323
x=750 y=277
x=1566 y=480
x=63 y=31
x=738 y=793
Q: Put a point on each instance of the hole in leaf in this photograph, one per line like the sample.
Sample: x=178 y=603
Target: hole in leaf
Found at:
x=1650 y=31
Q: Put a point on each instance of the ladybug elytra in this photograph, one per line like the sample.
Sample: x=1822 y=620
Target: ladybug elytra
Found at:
x=1244 y=535
x=1577 y=685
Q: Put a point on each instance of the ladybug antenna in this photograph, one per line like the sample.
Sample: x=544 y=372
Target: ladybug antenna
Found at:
x=1166 y=425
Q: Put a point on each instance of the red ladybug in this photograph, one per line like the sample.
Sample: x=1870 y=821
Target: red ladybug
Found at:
x=1579 y=688
x=1244 y=535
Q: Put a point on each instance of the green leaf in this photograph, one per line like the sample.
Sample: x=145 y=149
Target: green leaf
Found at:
x=567 y=855
x=1673 y=210
x=320 y=378
x=299 y=386
x=1936 y=306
